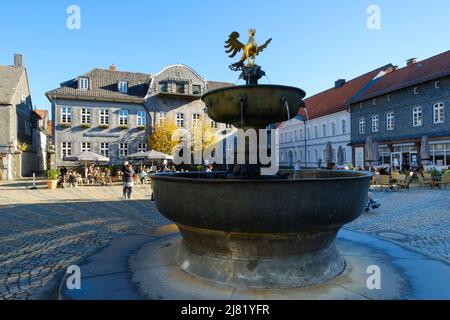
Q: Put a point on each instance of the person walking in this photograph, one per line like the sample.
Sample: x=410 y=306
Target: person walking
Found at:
x=128 y=182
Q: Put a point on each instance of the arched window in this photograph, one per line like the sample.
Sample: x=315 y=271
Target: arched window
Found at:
x=344 y=126
x=324 y=129
x=438 y=113
x=417 y=116
x=333 y=129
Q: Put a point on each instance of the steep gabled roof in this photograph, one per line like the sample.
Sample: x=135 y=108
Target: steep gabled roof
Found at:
x=9 y=80
x=103 y=86
x=338 y=99
x=41 y=113
x=430 y=69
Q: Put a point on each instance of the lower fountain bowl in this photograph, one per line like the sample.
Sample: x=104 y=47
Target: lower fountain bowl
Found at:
x=262 y=233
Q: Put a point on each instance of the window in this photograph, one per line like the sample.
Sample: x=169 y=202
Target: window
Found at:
x=123 y=150
x=83 y=83
x=66 y=149
x=295 y=135
x=344 y=126
x=141 y=119
x=300 y=135
x=324 y=130
x=104 y=149
x=196 y=89
x=180 y=120
x=123 y=86
x=375 y=123
x=362 y=126
x=142 y=147
x=316 y=155
x=344 y=154
x=437 y=85
x=308 y=133
x=438 y=113
x=85 y=146
x=162 y=87
x=180 y=87
x=213 y=124
x=390 y=121
x=123 y=117
x=333 y=129
x=389 y=98
x=66 y=115
x=195 y=120
x=104 y=116
x=316 y=131
x=161 y=117
x=228 y=126
x=417 y=116
x=416 y=90
x=374 y=101
x=85 y=116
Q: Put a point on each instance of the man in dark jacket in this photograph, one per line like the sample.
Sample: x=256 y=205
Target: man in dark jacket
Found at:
x=128 y=181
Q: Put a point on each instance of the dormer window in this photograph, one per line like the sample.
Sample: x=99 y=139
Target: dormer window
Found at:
x=180 y=87
x=196 y=89
x=83 y=83
x=163 y=87
x=123 y=86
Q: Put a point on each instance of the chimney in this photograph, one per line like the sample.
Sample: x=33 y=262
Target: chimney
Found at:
x=112 y=67
x=18 y=60
x=339 y=83
x=411 y=61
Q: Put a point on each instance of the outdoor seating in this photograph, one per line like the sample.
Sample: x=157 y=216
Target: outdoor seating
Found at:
x=445 y=181
x=404 y=184
x=423 y=182
x=383 y=181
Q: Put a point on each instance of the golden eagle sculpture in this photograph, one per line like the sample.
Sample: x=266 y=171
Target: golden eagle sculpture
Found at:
x=251 y=49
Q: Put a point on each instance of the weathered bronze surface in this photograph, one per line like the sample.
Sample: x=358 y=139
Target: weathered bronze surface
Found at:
x=261 y=104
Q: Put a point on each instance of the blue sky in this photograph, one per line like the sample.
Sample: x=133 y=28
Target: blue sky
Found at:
x=314 y=42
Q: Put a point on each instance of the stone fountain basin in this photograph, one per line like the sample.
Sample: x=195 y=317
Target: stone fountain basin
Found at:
x=313 y=201
x=262 y=233
x=263 y=104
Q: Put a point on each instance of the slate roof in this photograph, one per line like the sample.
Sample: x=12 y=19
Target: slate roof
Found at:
x=430 y=69
x=103 y=86
x=338 y=99
x=213 y=85
x=9 y=80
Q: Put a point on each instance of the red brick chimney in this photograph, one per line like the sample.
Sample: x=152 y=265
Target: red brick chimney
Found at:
x=112 y=67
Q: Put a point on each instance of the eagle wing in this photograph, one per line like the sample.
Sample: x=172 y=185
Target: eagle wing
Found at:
x=233 y=44
x=261 y=48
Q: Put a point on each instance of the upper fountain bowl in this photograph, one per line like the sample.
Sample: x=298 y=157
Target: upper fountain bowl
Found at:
x=253 y=106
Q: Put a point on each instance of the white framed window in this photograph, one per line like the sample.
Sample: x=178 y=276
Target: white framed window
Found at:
x=195 y=120
x=123 y=86
x=333 y=129
x=316 y=155
x=83 y=83
x=180 y=120
x=300 y=134
x=161 y=117
x=438 y=113
x=308 y=133
x=66 y=149
x=362 y=126
x=85 y=146
x=416 y=90
x=104 y=116
x=344 y=126
x=123 y=117
x=141 y=119
x=324 y=130
x=142 y=147
x=213 y=124
x=389 y=98
x=437 y=85
x=123 y=150
x=374 y=101
x=196 y=89
x=316 y=132
x=85 y=116
x=417 y=116
x=390 y=121
x=375 y=123
x=66 y=115
x=104 y=149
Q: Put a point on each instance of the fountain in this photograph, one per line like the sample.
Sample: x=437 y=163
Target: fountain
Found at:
x=246 y=229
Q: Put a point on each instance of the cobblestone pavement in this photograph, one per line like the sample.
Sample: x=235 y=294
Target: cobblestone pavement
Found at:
x=43 y=231
x=417 y=218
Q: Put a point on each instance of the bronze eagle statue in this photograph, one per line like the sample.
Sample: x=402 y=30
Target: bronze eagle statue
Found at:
x=251 y=49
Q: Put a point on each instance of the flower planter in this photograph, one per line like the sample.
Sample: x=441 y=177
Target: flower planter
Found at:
x=52 y=184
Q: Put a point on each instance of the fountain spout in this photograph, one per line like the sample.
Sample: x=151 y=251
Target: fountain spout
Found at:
x=286 y=104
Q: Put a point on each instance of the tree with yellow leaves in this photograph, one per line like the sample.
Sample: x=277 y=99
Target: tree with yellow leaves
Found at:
x=161 y=137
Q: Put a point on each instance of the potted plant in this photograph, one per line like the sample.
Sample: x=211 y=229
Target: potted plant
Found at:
x=104 y=126
x=123 y=127
x=141 y=128
x=52 y=178
x=86 y=125
x=65 y=125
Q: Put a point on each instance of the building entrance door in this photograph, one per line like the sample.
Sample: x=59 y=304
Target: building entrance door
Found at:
x=396 y=159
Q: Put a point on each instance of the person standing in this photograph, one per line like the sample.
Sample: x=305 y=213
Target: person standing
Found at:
x=128 y=182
